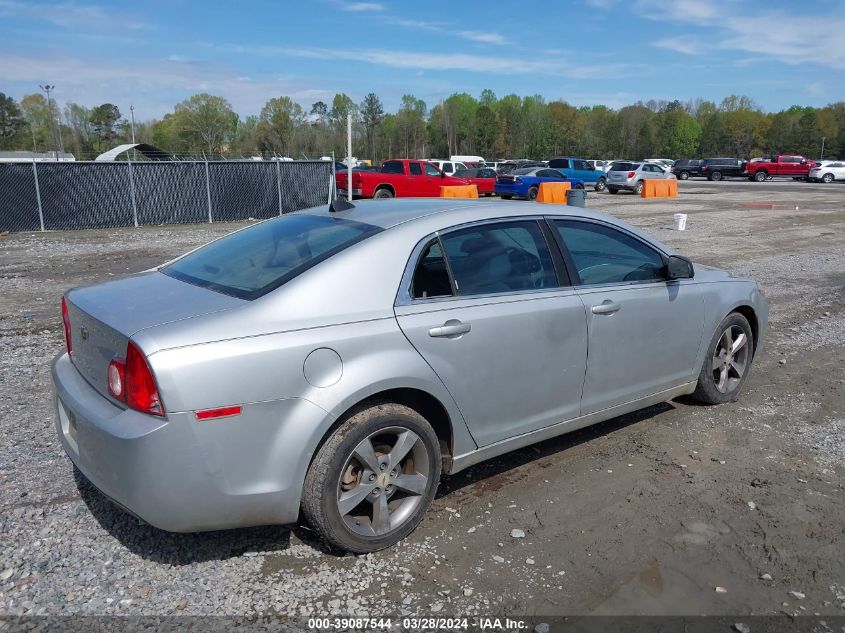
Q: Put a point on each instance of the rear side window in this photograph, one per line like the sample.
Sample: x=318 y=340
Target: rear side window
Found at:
x=252 y=262
x=415 y=168
x=431 y=276
x=447 y=167
x=392 y=167
x=604 y=255
x=431 y=170
x=501 y=257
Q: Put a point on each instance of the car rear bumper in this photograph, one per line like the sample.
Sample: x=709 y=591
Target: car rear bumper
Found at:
x=179 y=474
x=505 y=189
x=342 y=192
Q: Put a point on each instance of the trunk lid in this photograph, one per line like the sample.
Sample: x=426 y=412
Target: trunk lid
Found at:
x=104 y=317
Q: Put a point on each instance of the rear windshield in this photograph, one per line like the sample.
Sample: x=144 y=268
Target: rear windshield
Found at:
x=620 y=166
x=252 y=262
x=524 y=171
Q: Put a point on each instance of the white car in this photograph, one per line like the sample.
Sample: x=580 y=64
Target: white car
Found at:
x=666 y=163
x=600 y=165
x=827 y=171
x=448 y=167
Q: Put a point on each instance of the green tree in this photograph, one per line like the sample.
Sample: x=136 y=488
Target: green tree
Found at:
x=12 y=123
x=204 y=123
x=372 y=112
x=104 y=118
x=40 y=121
x=277 y=124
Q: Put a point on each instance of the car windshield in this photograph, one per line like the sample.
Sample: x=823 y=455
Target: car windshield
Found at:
x=620 y=166
x=252 y=262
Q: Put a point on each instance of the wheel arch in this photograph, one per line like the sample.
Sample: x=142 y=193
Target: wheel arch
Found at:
x=750 y=314
x=429 y=406
x=385 y=185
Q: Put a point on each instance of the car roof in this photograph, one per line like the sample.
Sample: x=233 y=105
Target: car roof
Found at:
x=393 y=212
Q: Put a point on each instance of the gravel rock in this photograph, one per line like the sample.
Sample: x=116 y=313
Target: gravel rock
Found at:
x=517 y=533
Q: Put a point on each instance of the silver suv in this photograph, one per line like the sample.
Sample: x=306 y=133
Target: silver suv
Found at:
x=630 y=176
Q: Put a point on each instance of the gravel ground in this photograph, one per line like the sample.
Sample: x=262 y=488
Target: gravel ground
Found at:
x=645 y=514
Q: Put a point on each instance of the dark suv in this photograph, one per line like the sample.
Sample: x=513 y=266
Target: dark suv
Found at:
x=686 y=167
x=718 y=168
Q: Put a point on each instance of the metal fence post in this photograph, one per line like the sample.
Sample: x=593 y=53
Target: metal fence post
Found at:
x=132 y=192
x=279 y=184
x=208 y=191
x=38 y=196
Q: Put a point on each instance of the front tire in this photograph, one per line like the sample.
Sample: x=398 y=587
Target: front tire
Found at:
x=727 y=362
x=601 y=184
x=532 y=193
x=373 y=479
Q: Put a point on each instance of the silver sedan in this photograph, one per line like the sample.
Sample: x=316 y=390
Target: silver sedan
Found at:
x=338 y=360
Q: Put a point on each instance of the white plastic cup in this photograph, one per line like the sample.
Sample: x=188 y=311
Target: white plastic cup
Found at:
x=680 y=221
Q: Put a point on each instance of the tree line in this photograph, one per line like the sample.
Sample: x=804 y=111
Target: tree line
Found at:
x=508 y=127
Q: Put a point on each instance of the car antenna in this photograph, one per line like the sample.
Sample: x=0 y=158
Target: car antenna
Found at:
x=340 y=205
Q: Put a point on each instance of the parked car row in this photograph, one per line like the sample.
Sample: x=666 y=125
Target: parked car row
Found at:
x=760 y=169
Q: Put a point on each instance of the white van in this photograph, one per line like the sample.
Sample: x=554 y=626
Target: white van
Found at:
x=468 y=159
x=448 y=167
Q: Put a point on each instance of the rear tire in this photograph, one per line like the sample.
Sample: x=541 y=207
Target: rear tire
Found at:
x=601 y=184
x=760 y=176
x=355 y=494
x=532 y=193
x=827 y=178
x=383 y=193
x=724 y=371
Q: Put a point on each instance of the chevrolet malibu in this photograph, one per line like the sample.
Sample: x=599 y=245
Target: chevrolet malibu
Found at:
x=336 y=361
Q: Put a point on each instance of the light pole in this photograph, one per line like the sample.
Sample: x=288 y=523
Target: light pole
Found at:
x=132 y=117
x=48 y=88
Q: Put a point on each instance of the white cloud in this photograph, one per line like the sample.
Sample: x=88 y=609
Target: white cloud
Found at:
x=153 y=87
x=361 y=6
x=71 y=15
x=423 y=60
x=683 y=45
x=483 y=37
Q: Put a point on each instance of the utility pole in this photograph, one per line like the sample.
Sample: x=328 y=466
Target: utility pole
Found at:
x=349 y=157
x=132 y=117
x=821 y=156
x=48 y=88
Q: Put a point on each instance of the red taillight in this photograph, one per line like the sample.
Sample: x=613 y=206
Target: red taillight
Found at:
x=704 y=168
x=631 y=174
x=66 y=321
x=139 y=386
x=357 y=178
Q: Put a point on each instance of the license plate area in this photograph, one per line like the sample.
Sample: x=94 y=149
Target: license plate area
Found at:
x=67 y=418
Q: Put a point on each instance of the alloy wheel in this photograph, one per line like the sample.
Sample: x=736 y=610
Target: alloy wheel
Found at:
x=383 y=481
x=730 y=359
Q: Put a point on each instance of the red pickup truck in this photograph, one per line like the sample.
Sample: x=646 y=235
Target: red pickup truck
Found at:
x=798 y=167
x=397 y=178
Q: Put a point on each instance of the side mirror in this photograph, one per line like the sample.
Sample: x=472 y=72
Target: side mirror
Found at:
x=679 y=267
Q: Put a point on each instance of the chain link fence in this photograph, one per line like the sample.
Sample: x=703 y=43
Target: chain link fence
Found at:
x=41 y=196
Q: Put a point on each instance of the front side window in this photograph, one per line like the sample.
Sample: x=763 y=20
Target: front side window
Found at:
x=580 y=165
x=415 y=168
x=252 y=262
x=431 y=170
x=500 y=257
x=604 y=255
x=431 y=276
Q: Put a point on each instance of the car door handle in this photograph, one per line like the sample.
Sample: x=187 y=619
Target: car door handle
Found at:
x=606 y=307
x=451 y=328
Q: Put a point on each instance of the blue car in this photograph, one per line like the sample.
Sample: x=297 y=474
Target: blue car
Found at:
x=525 y=183
x=580 y=169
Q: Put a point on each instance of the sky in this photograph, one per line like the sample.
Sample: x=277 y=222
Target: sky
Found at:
x=153 y=54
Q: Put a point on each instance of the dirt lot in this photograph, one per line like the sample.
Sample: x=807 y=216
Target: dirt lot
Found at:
x=645 y=514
